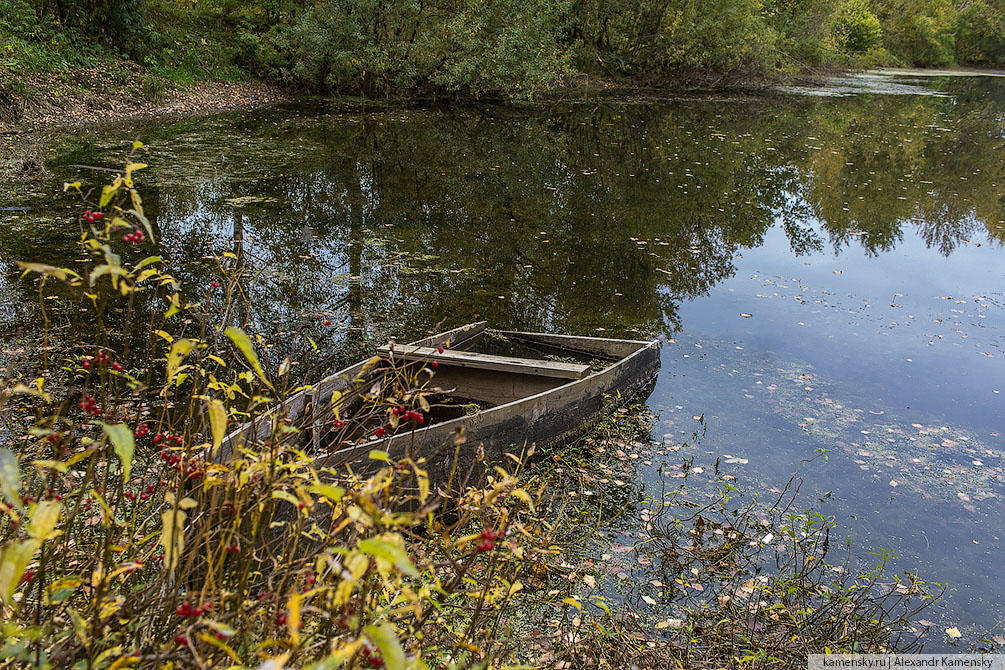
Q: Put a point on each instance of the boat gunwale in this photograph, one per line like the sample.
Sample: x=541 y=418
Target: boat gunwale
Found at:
x=319 y=391
x=609 y=371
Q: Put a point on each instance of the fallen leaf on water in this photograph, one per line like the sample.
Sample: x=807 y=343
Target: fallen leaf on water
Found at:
x=893 y=482
x=954 y=632
x=926 y=622
x=745 y=315
x=999 y=639
x=590 y=581
x=648 y=600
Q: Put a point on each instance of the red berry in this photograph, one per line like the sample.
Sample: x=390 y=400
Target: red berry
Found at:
x=27 y=576
x=87 y=365
x=380 y=432
x=486 y=545
x=97 y=215
x=181 y=639
x=215 y=284
x=435 y=364
x=328 y=323
x=439 y=349
x=281 y=619
x=117 y=367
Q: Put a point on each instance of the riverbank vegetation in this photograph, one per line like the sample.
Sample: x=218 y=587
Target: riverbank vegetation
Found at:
x=502 y=48
x=130 y=537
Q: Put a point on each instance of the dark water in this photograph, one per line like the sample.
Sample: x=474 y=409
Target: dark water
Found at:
x=826 y=269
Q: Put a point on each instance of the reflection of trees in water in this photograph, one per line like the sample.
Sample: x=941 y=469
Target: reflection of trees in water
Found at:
x=885 y=163
x=581 y=217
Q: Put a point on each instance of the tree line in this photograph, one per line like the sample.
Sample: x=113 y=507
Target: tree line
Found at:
x=519 y=48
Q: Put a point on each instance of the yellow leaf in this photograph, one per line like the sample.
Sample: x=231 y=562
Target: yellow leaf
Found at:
x=954 y=632
x=44 y=519
x=523 y=496
x=217 y=422
x=243 y=342
x=175 y=306
x=124 y=662
x=13 y=560
x=293 y=616
x=179 y=350
x=172 y=536
x=221 y=645
x=47 y=270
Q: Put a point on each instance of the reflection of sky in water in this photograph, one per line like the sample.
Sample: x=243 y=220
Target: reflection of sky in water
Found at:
x=879 y=338
x=850 y=229
x=868 y=82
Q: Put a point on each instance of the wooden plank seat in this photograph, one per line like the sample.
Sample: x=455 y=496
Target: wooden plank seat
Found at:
x=471 y=359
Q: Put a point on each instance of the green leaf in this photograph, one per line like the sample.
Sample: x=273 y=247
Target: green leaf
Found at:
x=390 y=648
x=391 y=553
x=243 y=342
x=10 y=477
x=121 y=438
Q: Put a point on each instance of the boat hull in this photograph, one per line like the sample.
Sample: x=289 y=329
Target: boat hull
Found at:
x=460 y=450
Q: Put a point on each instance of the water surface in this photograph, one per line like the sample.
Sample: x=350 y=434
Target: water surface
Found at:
x=826 y=270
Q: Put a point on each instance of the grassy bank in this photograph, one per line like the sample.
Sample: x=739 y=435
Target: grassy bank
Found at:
x=150 y=50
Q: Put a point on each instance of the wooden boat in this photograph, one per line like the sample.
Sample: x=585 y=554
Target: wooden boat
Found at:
x=498 y=403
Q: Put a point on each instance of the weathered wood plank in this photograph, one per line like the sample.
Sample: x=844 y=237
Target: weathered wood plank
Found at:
x=477 y=361
x=604 y=347
x=491 y=386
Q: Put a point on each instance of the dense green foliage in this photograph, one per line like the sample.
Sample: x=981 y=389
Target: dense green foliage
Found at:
x=512 y=48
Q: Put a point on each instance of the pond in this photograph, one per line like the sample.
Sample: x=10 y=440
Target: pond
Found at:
x=824 y=265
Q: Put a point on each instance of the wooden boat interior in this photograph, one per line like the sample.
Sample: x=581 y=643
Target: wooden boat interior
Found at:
x=478 y=369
